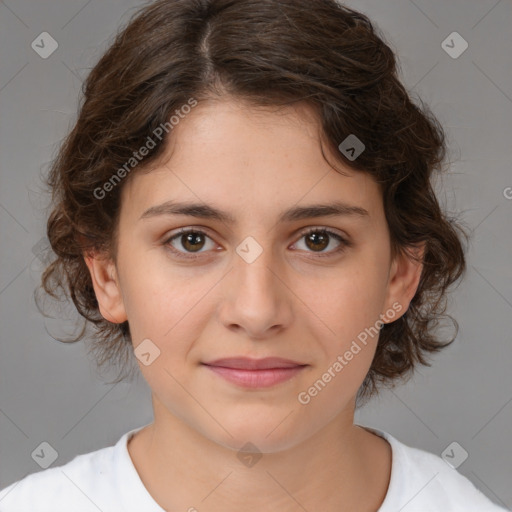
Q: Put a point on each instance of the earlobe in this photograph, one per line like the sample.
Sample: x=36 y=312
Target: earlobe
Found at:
x=405 y=276
x=106 y=287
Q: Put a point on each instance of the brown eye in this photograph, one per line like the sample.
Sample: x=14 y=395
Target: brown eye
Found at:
x=186 y=242
x=317 y=240
x=189 y=243
x=192 y=241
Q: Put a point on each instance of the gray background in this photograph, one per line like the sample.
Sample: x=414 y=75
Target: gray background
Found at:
x=50 y=391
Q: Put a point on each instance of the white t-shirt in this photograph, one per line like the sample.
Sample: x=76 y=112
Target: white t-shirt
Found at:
x=106 y=480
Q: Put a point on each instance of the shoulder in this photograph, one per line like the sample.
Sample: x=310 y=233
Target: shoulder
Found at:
x=83 y=481
x=421 y=481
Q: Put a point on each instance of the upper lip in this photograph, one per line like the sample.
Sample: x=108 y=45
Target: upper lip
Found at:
x=247 y=363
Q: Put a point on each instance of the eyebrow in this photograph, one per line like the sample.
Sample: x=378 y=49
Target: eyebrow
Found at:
x=205 y=211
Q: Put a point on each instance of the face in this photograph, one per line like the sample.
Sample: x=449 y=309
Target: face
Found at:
x=256 y=284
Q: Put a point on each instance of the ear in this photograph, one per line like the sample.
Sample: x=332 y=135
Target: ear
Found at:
x=106 y=287
x=404 y=278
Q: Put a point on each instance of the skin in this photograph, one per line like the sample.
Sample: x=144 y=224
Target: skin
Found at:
x=290 y=302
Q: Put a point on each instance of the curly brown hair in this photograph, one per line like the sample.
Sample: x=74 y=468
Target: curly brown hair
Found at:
x=267 y=53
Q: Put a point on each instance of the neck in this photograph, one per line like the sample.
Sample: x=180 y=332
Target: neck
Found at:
x=341 y=467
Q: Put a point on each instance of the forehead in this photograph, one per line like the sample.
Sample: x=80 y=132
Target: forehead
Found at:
x=248 y=160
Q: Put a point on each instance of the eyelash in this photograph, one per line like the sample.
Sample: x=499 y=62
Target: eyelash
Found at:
x=344 y=243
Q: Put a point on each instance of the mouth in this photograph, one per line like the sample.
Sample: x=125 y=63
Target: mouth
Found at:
x=255 y=373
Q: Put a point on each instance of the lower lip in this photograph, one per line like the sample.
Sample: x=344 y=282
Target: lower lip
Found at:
x=256 y=378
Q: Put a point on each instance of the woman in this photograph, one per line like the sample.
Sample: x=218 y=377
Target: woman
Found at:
x=245 y=203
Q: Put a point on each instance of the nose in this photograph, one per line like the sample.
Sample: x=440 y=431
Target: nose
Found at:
x=257 y=297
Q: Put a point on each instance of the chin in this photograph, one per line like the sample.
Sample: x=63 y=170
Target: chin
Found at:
x=269 y=433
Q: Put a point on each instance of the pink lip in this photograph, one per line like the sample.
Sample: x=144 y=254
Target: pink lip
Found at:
x=255 y=373
x=247 y=363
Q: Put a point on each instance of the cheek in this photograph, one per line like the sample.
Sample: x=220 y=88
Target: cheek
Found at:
x=172 y=320
x=345 y=305
x=160 y=298
x=348 y=344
